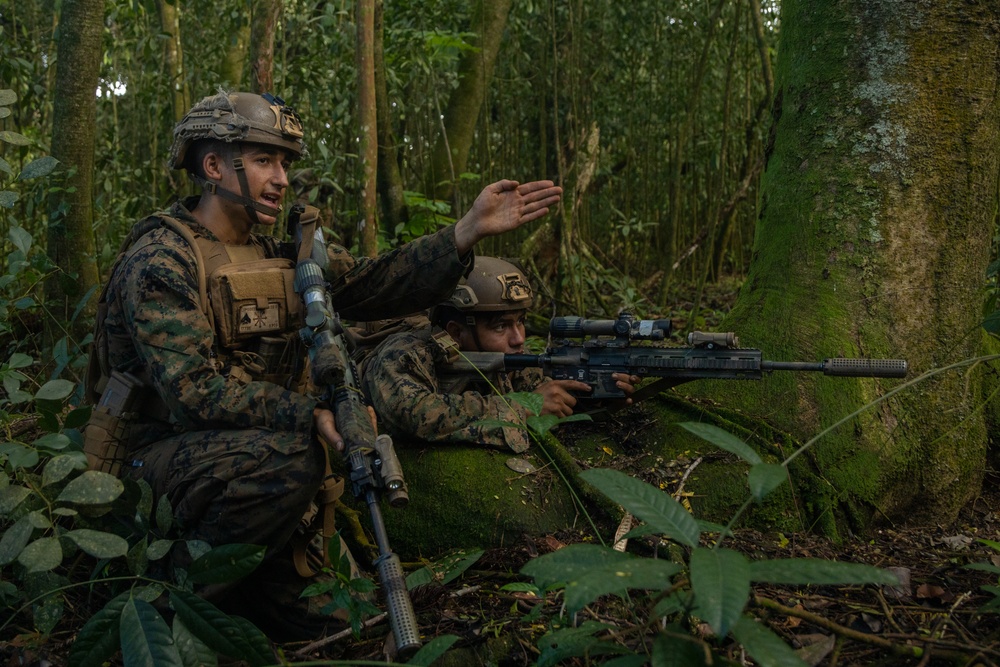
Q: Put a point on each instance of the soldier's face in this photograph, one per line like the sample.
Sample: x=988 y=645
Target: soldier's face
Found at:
x=266 y=170
x=497 y=333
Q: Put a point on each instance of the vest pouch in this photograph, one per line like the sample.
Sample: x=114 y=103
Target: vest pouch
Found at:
x=104 y=436
x=253 y=299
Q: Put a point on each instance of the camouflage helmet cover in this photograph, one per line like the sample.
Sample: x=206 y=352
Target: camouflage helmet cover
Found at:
x=494 y=285
x=238 y=117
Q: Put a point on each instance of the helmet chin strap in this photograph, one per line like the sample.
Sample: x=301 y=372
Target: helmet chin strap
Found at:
x=249 y=205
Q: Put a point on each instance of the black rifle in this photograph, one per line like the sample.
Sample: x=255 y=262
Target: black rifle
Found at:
x=374 y=468
x=609 y=350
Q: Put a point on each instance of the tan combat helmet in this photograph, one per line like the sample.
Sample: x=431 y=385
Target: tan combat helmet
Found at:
x=494 y=285
x=237 y=118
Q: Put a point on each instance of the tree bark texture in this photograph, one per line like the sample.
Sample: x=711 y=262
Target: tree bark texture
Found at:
x=451 y=151
x=367 y=128
x=390 y=180
x=263 y=25
x=236 y=56
x=71 y=243
x=873 y=240
x=173 y=57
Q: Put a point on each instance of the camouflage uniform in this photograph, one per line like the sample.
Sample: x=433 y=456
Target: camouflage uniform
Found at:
x=239 y=461
x=412 y=401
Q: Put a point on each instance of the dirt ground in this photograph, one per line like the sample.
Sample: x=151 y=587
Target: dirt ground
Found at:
x=933 y=618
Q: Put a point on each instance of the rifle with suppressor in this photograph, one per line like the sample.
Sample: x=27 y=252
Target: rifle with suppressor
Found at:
x=609 y=350
x=375 y=470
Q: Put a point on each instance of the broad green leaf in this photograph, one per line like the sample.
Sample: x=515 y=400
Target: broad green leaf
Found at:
x=219 y=631
x=5 y=167
x=78 y=417
x=14 y=138
x=591 y=571
x=192 y=650
x=432 y=650
x=48 y=614
x=55 y=390
x=817 y=571
x=229 y=562
x=420 y=577
x=984 y=567
x=146 y=639
x=7 y=97
x=43 y=166
x=765 y=647
x=990 y=543
x=52 y=441
x=19 y=359
x=457 y=564
x=164 y=515
x=42 y=555
x=720 y=580
x=8 y=198
x=674 y=603
x=558 y=645
x=676 y=648
x=497 y=423
x=13 y=541
x=542 y=424
x=38 y=519
x=648 y=503
x=531 y=401
x=765 y=478
x=98 y=543
x=257 y=649
x=723 y=440
x=627 y=661
x=93 y=487
x=99 y=638
x=158 y=549
x=11 y=497
x=22 y=241
x=19 y=456
x=59 y=466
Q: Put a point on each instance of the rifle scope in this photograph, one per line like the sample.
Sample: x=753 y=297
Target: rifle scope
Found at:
x=626 y=326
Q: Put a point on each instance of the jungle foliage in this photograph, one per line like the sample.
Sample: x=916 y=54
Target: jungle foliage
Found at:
x=653 y=115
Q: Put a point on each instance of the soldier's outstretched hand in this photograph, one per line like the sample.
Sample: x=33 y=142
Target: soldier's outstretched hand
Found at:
x=503 y=206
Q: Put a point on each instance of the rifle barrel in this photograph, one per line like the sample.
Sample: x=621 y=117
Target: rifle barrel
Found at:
x=874 y=368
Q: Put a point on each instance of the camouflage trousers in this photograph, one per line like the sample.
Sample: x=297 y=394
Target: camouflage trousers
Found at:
x=250 y=487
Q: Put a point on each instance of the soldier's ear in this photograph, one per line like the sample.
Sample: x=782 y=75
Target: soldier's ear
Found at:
x=454 y=329
x=212 y=165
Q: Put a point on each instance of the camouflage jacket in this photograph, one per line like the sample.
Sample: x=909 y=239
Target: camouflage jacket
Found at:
x=413 y=402
x=157 y=330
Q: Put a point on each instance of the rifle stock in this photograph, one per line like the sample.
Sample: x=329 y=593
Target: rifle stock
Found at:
x=710 y=356
x=373 y=466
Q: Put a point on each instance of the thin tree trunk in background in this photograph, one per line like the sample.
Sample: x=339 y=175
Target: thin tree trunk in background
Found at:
x=170 y=23
x=236 y=56
x=367 y=128
x=71 y=244
x=390 y=181
x=876 y=222
x=475 y=71
x=678 y=154
x=264 y=23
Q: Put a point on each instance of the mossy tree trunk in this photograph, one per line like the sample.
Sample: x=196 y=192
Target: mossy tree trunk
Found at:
x=873 y=240
x=71 y=244
x=173 y=57
x=367 y=129
x=390 y=180
x=475 y=70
